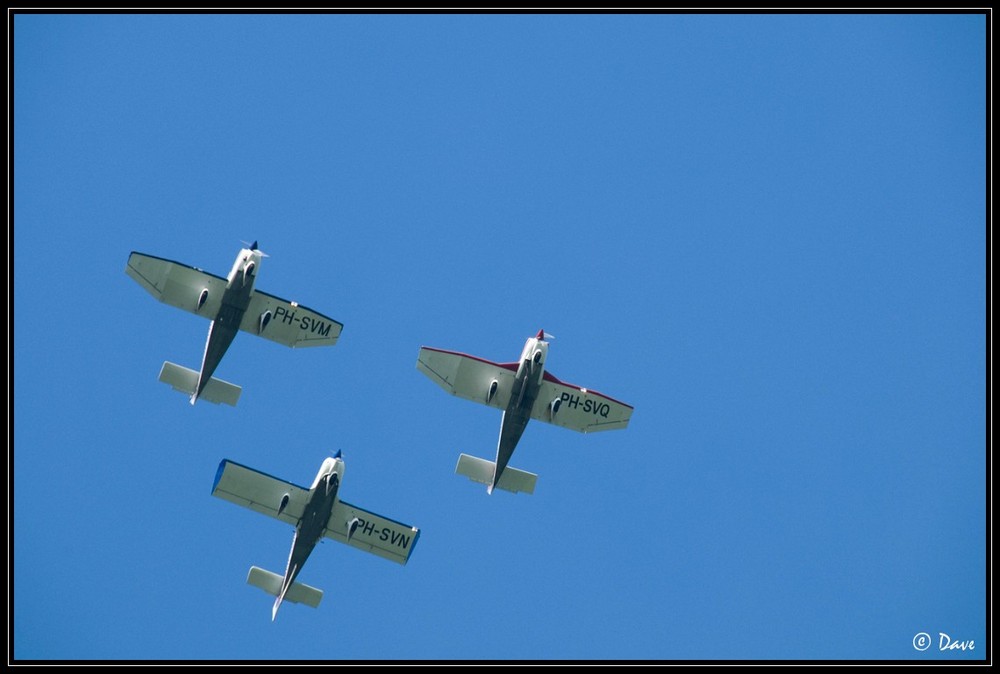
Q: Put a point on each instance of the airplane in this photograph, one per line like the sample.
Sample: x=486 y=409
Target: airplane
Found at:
x=524 y=390
x=232 y=304
x=315 y=513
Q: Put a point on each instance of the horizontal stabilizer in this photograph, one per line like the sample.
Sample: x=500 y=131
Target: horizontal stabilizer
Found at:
x=271 y=583
x=186 y=381
x=481 y=470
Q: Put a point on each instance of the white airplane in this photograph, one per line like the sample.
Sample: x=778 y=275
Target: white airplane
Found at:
x=523 y=390
x=315 y=513
x=232 y=304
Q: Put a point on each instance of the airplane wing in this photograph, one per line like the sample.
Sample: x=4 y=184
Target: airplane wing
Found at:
x=259 y=491
x=467 y=376
x=288 y=323
x=579 y=409
x=177 y=284
x=372 y=533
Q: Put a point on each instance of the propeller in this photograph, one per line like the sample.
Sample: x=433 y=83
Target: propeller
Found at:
x=544 y=335
x=253 y=246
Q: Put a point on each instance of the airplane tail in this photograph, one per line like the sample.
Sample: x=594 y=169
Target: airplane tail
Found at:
x=481 y=470
x=271 y=583
x=186 y=381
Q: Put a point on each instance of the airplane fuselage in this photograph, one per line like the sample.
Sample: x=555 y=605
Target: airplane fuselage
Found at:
x=225 y=325
x=309 y=530
x=527 y=383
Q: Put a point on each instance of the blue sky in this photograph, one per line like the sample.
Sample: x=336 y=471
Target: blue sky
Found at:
x=766 y=233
